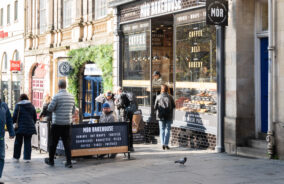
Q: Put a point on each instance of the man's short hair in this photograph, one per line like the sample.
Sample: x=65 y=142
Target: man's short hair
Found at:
x=164 y=88
x=62 y=84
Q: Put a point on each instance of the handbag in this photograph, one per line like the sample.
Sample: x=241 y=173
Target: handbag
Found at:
x=16 y=125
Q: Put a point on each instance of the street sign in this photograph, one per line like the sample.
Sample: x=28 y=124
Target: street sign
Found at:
x=217 y=12
x=64 y=68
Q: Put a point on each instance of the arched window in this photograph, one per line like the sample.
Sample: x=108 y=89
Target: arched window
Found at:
x=16 y=55
x=4 y=62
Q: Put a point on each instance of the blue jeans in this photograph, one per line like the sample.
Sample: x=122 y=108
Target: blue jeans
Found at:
x=165 y=130
x=27 y=146
x=2 y=155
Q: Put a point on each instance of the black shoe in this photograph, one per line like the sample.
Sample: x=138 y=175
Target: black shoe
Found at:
x=48 y=162
x=68 y=165
x=1 y=182
x=167 y=147
x=164 y=147
x=131 y=149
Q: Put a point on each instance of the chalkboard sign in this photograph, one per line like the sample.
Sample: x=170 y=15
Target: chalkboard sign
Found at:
x=103 y=138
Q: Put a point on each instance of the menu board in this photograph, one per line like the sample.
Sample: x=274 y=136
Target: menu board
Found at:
x=101 y=138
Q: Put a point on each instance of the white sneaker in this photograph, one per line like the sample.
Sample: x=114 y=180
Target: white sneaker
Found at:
x=15 y=160
x=27 y=161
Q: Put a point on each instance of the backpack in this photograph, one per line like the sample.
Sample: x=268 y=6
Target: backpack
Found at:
x=131 y=105
x=164 y=109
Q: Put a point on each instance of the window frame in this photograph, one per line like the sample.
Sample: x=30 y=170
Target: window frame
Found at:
x=16 y=8
x=8 y=14
x=99 y=6
x=1 y=17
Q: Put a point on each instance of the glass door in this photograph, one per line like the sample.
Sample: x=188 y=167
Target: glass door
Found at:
x=92 y=87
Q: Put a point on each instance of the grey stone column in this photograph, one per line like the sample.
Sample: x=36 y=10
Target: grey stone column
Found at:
x=79 y=11
x=240 y=93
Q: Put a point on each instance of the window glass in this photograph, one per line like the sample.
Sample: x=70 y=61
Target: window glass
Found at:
x=196 y=68
x=136 y=61
x=264 y=16
x=42 y=16
x=67 y=15
x=100 y=8
x=1 y=17
x=8 y=14
x=4 y=88
x=5 y=62
x=16 y=11
x=15 y=93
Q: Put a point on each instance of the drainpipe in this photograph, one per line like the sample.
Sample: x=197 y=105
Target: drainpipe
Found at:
x=271 y=50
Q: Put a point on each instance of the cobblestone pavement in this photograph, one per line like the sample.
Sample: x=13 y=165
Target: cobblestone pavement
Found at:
x=149 y=164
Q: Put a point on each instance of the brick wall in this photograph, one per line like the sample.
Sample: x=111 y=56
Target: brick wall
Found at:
x=151 y=130
x=193 y=139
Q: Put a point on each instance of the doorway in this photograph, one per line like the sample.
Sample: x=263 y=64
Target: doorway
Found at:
x=162 y=54
x=264 y=83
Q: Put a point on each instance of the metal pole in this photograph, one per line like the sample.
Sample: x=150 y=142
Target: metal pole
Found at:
x=220 y=58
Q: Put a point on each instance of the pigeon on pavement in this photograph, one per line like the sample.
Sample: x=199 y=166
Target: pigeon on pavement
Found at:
x=181 y=161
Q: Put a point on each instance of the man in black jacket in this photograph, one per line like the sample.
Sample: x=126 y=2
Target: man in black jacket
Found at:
x=164 y=105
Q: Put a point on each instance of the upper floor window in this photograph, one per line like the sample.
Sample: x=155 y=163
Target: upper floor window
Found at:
x=16 y=11
x=4 y=63
x=42 y=16
x=17 y=55
x=100 y=8
x=8 y=14
x=1 y=17
x=67 y=15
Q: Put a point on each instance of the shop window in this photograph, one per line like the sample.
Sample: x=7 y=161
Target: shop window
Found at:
x=15 y=93
x=92 y=87
x=42 y=16
x=136 y=61
x=4 y=89
x=37 y=92
x=196 y=88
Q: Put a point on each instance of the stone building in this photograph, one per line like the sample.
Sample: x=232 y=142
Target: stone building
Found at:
x=11 y=48
x=253 y=70
x=52 y=29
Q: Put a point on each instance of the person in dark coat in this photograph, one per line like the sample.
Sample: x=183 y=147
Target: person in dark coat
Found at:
x=25 y=115
x=45 y=115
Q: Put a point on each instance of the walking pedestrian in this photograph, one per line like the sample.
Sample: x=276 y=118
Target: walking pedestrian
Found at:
x=24 y=118
x=5 y=119
x=164 y=105
x=62 y=107
x=45 y=115
x=126 y=105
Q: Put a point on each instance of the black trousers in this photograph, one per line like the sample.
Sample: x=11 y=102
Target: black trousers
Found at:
x=63 y=132
x=129 y=117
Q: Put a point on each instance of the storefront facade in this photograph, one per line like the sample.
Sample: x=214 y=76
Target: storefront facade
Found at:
x=170 y=37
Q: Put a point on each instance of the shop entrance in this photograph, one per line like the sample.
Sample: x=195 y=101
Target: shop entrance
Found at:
x=162 y=54
x=264 y=84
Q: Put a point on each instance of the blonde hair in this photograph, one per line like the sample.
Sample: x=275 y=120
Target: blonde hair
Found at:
x=47 y=99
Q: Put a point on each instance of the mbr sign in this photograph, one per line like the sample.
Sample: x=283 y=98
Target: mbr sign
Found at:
x=217 y=12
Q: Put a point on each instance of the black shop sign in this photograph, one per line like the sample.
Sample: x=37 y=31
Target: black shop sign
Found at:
x=100 y=138
x=217 y=12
